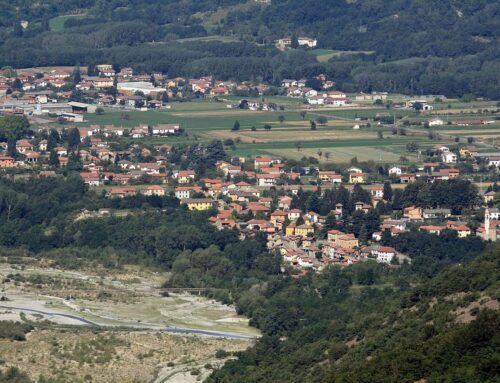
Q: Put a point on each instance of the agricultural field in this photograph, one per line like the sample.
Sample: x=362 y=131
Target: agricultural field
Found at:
x=290 y=134
x=224 y=39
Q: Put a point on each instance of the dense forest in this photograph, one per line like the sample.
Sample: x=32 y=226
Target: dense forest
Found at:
x=449 y=47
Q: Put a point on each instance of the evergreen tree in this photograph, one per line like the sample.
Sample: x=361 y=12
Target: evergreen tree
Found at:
x=313 y=203
x=74 y=162
x=53 y=159
x=330 y=222
x=363 y=234
x=360 y=195
x=18 y=29
x=11 y=147
x=76 y=76
x=236 y=126
x=372 y=222
x=397 y=202
x=387 y=191
x=214 y=152
x=53 y=139
x=386 y=238
x=73 y=138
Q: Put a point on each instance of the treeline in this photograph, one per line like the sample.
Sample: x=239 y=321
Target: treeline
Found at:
x=431 y=253
x=401 y=55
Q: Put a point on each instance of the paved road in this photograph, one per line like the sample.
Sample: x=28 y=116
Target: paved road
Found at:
x=170 y=329
x=79 y=319
x=228 y=335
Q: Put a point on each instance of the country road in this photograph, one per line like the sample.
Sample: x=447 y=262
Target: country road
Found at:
x=169 y=329
x=51 y=314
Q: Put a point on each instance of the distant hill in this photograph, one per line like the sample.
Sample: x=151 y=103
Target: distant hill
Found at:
x=447 y=47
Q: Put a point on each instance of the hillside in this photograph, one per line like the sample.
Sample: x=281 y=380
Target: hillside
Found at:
x=453 y=46
x=446 y=329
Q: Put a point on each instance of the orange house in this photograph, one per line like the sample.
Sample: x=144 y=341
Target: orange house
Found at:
x=7 y=162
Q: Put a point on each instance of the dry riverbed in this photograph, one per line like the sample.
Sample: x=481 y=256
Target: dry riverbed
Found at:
x=102 y=326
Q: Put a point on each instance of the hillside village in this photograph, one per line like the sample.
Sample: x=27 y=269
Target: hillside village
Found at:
x=313 y=215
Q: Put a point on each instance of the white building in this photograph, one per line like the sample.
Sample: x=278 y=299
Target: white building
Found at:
x=267 y=179
x=436 y=122
x=384 y=254
x=494 y=161
x=395 y=170
x=139 y=86
x=449 y=157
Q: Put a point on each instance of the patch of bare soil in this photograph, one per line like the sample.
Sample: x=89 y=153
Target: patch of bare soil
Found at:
x=75 y=355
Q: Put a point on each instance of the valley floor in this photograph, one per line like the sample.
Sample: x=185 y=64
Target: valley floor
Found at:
x=113 y=326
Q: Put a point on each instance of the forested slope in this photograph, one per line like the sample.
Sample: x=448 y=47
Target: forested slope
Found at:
x=444 y=330
x=449 y=47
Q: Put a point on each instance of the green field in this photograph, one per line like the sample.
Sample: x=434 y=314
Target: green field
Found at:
x=57 y=23
x=388 y=149
x=324 y=55
x=224 y=39
x=209 y=120
x=194 y=121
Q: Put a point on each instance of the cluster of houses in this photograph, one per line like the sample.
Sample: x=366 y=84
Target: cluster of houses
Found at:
x=48 y=91
x=61 y=92
x=35 y=152
x=324 y=96
x=238 y=194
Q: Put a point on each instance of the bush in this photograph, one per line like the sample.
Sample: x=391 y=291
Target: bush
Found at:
x=221 y=354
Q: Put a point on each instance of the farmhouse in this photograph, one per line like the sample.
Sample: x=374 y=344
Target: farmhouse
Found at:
x=286 y=42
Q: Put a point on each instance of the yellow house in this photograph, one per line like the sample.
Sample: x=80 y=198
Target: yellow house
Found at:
x=357 y=178
x=198 y=203
x=304 y=229
x=290 y=229
x=347 y=241
x=464 y=152
x=330 y=177
x=333 y=235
